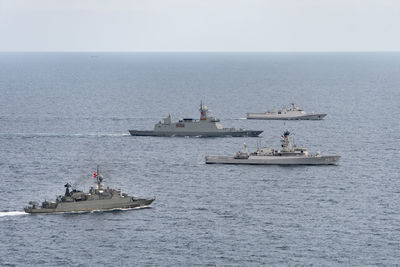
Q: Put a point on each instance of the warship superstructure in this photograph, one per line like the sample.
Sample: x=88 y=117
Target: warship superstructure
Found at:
x=206 y=126
x=288 y=155
x=291 y=113
x=98 y=198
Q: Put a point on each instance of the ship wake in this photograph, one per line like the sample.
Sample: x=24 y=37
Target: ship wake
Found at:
x=63 y=135
x=12 y=213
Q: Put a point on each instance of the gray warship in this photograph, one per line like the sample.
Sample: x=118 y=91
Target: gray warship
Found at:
x=99 y=198
x=288 y=155
x=291 y=113
x=207 y=126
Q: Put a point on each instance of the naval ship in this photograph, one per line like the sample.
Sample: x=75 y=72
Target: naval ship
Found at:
x=291 y=113
x=98 y=198
x=207 y=126
x=288 y=155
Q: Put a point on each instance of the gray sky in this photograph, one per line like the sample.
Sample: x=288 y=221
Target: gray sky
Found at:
x=201 y=25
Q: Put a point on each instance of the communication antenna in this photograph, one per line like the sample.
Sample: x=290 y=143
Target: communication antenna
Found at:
x=258 y=144
x=98 y=174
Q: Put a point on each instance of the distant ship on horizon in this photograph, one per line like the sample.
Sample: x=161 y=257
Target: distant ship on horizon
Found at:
x=291 y=113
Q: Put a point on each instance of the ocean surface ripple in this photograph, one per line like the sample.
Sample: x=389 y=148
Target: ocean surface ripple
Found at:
x=61 y=114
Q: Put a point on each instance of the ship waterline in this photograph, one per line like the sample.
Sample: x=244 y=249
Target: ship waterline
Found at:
x=265 y=116
x=100 y=205
x=271 y=160
x=243 y=133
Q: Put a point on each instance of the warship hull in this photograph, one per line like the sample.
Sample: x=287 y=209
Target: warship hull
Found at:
x=196 y=133
x=263 y=116
x=94 y=205
x=274 y=160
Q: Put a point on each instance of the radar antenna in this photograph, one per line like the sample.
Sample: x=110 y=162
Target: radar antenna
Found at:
x=67 y=186
x=258 y=144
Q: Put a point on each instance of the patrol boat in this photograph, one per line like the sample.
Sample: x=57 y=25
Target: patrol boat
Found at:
x=288 y=155
x=207 y=126
x=291 y=113
x=99 y=198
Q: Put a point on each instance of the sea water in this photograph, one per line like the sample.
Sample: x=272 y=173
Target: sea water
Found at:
x=62 y=114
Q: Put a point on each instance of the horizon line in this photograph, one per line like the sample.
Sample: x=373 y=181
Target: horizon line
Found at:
x=200 y=51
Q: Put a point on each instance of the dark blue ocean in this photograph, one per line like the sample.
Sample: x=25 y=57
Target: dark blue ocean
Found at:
x=61 y=114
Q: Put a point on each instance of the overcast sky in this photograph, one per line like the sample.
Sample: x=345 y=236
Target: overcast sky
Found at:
x=200 y=25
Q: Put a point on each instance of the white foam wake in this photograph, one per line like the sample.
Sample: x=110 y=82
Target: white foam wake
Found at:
x=11 y=213
x=78 y=135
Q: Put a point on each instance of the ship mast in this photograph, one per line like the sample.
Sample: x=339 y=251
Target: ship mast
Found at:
x=286 y=144
x=203 y=112
x=97 y=176
x=245 y=148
